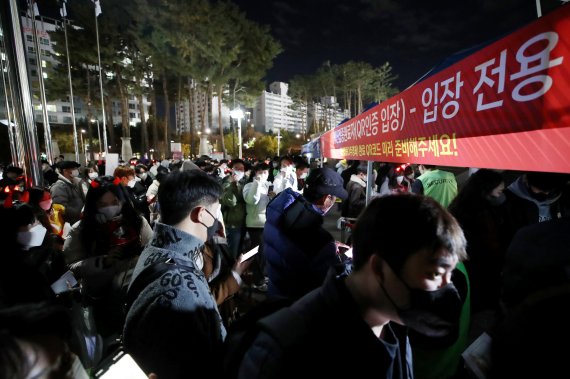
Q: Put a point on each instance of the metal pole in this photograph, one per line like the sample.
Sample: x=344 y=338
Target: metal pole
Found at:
x=369 y=181
x=13 y=150
x=47 y=128
x=99 y=136
x=239 y=138
x=71 y=99
x=538 y=9
x=101 y=86
x=24 y=111
x=278 y=140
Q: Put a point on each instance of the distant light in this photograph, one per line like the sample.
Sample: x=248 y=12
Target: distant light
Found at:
x=236 y=113
x=297 y=135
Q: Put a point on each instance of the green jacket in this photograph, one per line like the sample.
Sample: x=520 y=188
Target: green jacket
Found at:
x=233 y=204
x=440 y=185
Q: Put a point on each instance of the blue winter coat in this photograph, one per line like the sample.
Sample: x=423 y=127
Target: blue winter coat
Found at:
x=298 y=250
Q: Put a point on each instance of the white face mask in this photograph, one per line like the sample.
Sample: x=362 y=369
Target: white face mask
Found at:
x=45 y=205
x=304 y=175
x=131 y=183
x=399 y=179
x=108 y=213
x=263 y=177
x=143 y=176
x=75 y=173
x=411 y=176
x=93 y=175
x=287 y=170
x=33 y=237
x=238 y=174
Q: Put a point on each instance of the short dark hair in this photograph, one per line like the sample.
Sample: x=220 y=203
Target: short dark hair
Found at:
x=182 y=191
x=234 y=161
x=140 y=167
x=385 y=226
x=260 y=167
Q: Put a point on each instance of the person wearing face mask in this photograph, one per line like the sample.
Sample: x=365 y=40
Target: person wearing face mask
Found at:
x=256 y=195
x=301 y=171
x=142 y=173
x=102 y=249
x=356 y=188
x=299 y=250
x=66 y=191
x=135 y=189
x=536 y=197
x=86 y=176
x=30 y=263
x=173 y=326
x=233 y=206
x=286 y=177
x=365 y=314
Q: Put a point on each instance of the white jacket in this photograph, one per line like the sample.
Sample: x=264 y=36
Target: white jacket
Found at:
x=256 y=200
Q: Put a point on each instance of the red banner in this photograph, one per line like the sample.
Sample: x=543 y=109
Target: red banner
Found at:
x=506 y=106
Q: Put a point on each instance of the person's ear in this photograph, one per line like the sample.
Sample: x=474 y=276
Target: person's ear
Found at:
x=195 y=215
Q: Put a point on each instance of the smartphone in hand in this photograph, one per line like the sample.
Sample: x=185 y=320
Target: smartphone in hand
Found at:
x=249 y=254
x=120 y=366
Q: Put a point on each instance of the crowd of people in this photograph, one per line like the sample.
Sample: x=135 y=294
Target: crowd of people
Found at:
x=149 y=260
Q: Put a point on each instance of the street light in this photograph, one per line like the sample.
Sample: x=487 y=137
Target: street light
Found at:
x=238 y=115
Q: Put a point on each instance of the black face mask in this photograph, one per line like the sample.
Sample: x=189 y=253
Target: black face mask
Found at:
x=496 y=200
x=212 y=229
x=431 y=313
x=544 y=196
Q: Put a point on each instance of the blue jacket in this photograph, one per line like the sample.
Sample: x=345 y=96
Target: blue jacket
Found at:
x=173 y=327
x=299 y=251
x=325 y=336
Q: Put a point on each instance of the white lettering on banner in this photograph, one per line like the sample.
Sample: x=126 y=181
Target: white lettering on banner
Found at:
x=541 y=62
x=485 y=79
x=393 y=116
x=363 y=127
x=453 y=94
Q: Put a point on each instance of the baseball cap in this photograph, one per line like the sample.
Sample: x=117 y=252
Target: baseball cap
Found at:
x=325 y=181
x=68 y=164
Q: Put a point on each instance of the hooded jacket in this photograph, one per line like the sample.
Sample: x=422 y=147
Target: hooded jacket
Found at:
x=174 y=327
x=522 y=209
x=70 y=196
x=299 y=251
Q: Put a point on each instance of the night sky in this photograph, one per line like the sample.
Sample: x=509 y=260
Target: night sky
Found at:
x=413 y=36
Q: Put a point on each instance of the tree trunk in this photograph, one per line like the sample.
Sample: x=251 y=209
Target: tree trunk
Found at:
x=220 y=88
x=359 y=93
x=154 y=120
x=166 y=115
x=123 y=95
x=110 y=129
x=144 y=129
